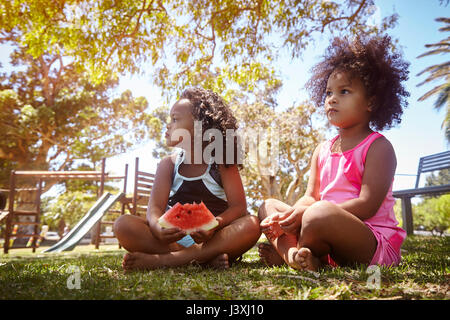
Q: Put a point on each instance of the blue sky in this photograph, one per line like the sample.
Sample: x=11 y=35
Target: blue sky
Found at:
x=418 y=134
x=420 y=131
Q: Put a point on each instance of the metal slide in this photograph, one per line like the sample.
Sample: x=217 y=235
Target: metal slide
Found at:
x=71 y=239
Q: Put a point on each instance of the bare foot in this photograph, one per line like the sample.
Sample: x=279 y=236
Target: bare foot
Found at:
x=140 y=261
x=219 y=262
x=305 y=260
x=269 y=255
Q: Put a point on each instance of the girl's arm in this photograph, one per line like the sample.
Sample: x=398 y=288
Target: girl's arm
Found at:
x=377 y=178
x=234 y=190
x=158 y=202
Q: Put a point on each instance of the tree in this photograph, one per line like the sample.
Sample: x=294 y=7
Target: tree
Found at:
x=279 y=146
x=441 y=178
x=230 y=47
x=212 y=43
x=50 y=115
x=433 y=214
x=439 y=71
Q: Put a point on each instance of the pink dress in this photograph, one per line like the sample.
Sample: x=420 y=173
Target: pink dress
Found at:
x=340 y=180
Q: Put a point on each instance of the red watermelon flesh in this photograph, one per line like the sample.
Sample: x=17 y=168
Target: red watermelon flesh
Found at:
x=189 y=217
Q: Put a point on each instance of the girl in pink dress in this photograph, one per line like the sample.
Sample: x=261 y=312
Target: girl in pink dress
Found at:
x=346 y=215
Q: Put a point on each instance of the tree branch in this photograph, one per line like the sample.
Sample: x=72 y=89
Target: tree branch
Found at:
x=350 y=18
x=55 y=82
x=45 y=72
x=124 y=35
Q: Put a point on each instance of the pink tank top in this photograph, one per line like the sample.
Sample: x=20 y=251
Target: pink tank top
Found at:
x=341 y=178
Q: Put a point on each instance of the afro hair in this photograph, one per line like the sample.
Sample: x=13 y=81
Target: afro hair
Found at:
x=380 y=70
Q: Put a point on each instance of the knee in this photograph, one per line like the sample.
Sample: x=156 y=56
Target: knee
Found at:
x=263 y=209
x=253 y=230
x=250 y=225
x=121 y=225
x=317 y=216
x=254 y=225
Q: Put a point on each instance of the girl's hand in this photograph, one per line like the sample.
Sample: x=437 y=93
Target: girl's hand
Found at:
x=270 y=225
x=202 y=236
x=275 y=218
x=168 y=235
x=272 y=232
x=292 y=222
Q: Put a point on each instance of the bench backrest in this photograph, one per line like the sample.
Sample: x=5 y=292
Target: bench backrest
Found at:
x=433 y=162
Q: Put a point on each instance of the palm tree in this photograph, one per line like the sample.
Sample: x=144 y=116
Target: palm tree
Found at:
x=439 y=71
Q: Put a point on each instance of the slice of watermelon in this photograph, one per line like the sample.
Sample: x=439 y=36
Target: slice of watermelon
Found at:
x=189 y=217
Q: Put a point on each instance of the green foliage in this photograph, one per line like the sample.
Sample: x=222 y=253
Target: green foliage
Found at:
x=72 y=203
x=442 y=178
x=182 y=40
x=70 y=206
x=62 y=106
x=51 y=114
x=398 y=211
x=290 y=138
x=433 y=213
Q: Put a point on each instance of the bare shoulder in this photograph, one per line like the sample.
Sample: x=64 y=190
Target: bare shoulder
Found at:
x=383 y=146
x=319 y=146
x=230 y=175
x=382 y=151
x=167 y=163
x=224 y=170
x=316 y=152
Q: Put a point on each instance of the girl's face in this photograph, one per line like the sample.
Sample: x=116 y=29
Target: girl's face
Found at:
x=346 y=102
x=181 y=125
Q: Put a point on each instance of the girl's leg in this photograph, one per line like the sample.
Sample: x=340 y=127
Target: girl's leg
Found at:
x=285 y=245
x=233 y=240
x=134 y=235
x=329 y=229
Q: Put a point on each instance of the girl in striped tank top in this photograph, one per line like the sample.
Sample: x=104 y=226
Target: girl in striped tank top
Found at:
x=184 y=177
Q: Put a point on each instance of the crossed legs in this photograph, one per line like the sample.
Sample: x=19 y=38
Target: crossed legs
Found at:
x=326 y=229
x=147 y=252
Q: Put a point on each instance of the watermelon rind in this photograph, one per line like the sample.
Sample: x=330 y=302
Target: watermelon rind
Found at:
x=164 y=223
x=205 y=227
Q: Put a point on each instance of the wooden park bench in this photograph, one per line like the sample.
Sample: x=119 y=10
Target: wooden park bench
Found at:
x=429 y=163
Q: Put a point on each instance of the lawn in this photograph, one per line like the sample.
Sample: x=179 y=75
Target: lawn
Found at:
x=86 y=273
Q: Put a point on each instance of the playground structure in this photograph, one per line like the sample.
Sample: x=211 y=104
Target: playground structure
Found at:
x=92 y=218
x=136 y=204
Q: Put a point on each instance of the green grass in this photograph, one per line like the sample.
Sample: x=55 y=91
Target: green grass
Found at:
x=423 y=274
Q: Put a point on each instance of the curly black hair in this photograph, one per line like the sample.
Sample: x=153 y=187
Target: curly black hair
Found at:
x=214 y=113
x=380 y=70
